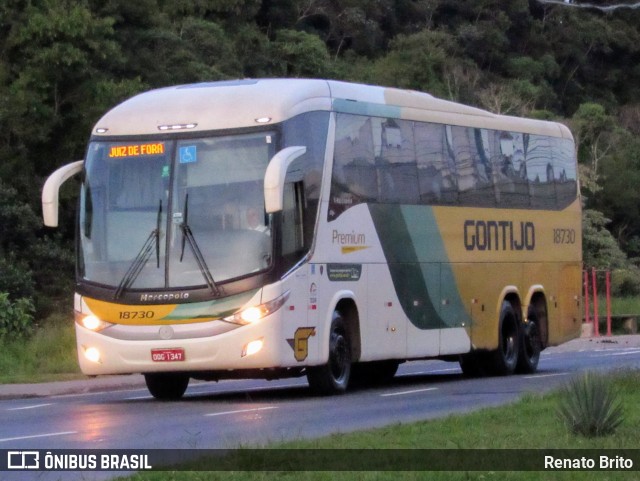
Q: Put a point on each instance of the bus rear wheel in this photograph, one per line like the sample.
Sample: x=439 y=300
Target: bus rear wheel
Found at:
x=505 y=357
x=333 y=377
x=166 y=386
x=530 y=346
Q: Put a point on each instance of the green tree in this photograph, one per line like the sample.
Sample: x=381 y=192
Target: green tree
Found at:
x=599 y=247
x=299 y=54
x=417 y=62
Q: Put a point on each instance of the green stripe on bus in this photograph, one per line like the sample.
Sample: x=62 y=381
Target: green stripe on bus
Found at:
x=366 y=108
x=419 y=266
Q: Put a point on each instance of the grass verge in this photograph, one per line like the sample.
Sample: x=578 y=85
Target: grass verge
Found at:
x=48 y=355
x=531 y=423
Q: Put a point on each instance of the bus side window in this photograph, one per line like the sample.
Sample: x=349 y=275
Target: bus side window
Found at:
x=475 y=186
x=565 y=172
x=292 y=220
x=354 y=178
x=436 y=169
x=540 y=172
x=510 y=169
x=396 y=167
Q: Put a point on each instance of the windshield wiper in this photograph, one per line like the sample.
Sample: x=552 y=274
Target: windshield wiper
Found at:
x=142 y=258
x=187 y=235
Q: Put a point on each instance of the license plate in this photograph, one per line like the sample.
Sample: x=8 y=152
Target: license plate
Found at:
x=167 y=355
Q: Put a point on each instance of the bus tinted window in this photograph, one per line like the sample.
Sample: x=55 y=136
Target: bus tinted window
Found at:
x=408 y=162
x=510 y=153
x=565 y=172
x=436 y=167
x=396 y=166
x=540 y=172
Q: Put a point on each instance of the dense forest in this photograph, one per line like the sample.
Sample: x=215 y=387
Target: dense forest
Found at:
x=64 y=62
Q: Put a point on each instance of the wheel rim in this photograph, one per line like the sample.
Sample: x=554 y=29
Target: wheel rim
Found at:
x=509 y=343
x=531 y=342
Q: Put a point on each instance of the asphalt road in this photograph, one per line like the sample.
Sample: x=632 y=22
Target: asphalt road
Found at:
x=241 y=413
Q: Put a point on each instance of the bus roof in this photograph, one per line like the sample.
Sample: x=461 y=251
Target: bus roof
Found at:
x=249 y=102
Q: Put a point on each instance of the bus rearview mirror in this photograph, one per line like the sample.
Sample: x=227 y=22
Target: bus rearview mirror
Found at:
x=52 y=188
x=275 y=175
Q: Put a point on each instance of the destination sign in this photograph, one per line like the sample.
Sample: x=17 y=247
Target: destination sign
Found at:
x=136 y=150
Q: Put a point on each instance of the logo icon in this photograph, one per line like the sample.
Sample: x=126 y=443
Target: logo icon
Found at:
x=23 y=460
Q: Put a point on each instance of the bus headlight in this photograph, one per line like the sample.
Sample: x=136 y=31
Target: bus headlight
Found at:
x=253 y=314
x=252 y=348
x=92 y=354
x=91 y=322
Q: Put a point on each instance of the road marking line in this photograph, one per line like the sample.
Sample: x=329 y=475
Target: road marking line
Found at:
x=435 y=371
x=536 y=376
x=29 y=407
x=611 y=354
x=408 y=392
x=19 y=438
x=240 y=411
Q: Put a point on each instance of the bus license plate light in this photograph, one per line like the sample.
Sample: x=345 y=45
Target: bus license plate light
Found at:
x=167 y=355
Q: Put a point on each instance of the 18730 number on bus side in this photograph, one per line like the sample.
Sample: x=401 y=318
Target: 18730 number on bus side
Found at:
x=564 y=236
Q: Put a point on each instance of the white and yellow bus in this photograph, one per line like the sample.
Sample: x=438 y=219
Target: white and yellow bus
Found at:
x=279 y=227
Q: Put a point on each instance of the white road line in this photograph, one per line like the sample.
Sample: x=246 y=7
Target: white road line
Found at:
x=35 y=406
x=34 y=436
x=435 y=371
x=408 y=392
x=537 y=376
x=611 y=354
x=241 y=411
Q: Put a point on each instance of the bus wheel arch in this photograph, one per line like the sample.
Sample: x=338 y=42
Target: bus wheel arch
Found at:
x=343 y=348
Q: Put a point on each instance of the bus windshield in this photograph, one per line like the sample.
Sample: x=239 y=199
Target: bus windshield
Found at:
x=175 y=213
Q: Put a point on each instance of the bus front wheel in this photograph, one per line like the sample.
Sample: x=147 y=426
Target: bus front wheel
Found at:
x=166 y=386
x=333 y=377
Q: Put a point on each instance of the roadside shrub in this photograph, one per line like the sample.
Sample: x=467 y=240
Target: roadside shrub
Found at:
x=16 y=278
x=16 y=317
x=590 y=407
x=625 y=282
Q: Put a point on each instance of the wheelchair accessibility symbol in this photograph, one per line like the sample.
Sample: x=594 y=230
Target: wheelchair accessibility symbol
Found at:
x=188 y=154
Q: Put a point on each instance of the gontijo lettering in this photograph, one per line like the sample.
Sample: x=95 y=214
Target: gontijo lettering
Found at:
x=135 y=150
x=502 y=235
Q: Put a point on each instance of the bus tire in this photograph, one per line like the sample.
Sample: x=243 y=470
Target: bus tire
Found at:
x=530 y=346
x=333 y=377
x=505 y=357
x=166 y=386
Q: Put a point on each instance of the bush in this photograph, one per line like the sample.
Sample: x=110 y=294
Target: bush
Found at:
x=16 y=317
x=590 y=407
x=625 y=282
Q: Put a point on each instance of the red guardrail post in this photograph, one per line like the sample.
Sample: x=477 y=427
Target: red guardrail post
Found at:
x=596 y=323
x=587 y=304
x=608 y=287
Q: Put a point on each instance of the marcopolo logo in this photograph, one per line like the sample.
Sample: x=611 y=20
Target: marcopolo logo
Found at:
x=499 y=235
